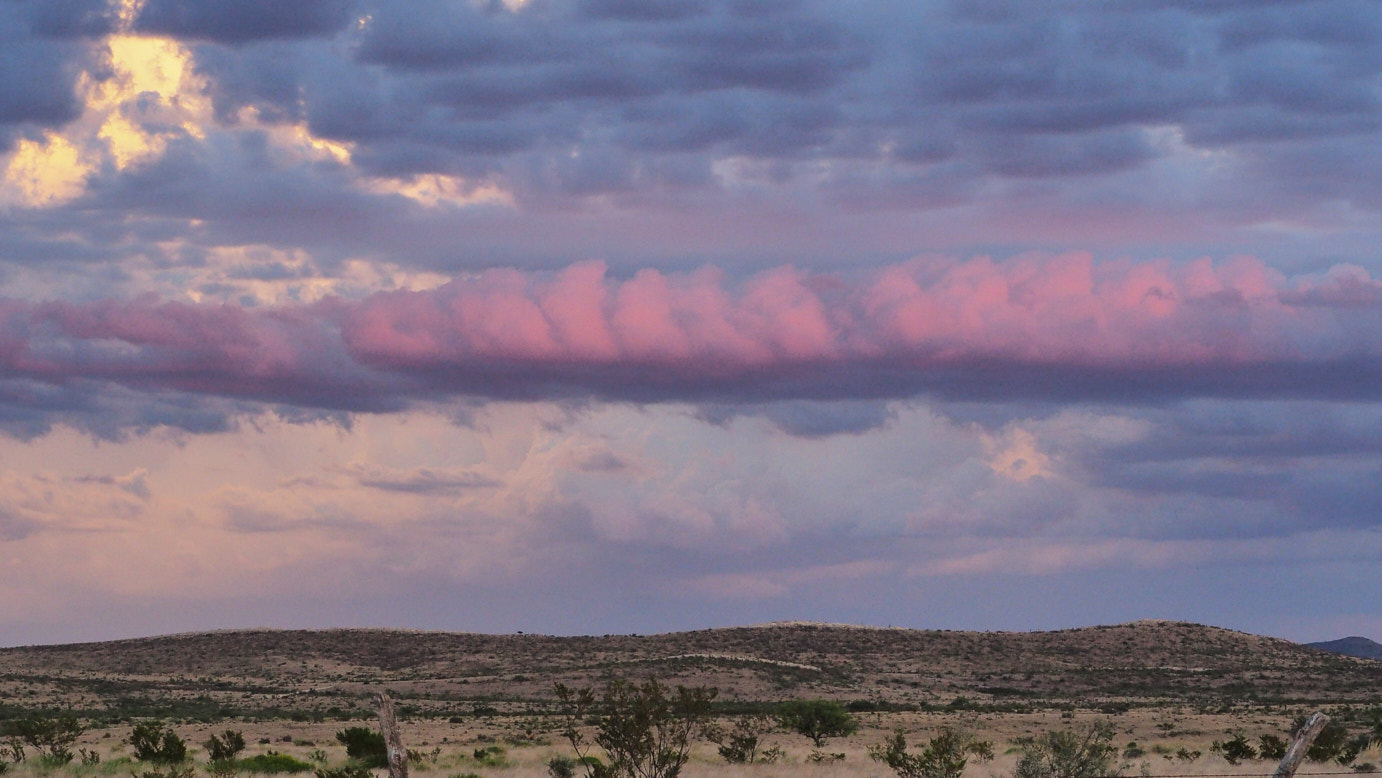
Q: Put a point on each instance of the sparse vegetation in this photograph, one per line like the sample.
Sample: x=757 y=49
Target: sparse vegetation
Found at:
x=1234 y=750
x=740 y=743
x=1011 y=688
x=944 y=756
x=1087 y=753
x=51 y=736
x=645 y=730
x=345 y=771
x=1271 y=747
x=364 y=745
x=273 y=763
x=157 y=745
x=225 y=746
x=819 y=720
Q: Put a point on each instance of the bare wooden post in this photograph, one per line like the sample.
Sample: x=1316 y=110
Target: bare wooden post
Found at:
x=388 y=725
x=1295 y=754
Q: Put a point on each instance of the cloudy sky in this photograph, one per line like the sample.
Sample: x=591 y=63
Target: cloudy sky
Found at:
x=588 y=316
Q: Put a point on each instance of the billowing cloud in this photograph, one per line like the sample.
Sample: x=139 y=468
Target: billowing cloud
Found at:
x=730 y=310
x=1061 y=328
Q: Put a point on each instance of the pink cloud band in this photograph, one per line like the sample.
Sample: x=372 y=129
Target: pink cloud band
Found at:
x=893 y=331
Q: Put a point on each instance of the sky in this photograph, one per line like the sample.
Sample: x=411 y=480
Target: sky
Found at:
x=593 y=316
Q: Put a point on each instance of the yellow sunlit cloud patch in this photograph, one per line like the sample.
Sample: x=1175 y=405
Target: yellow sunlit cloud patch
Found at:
x=153 y=96
x=433 y=190
x=128 y=143
x=44 y=173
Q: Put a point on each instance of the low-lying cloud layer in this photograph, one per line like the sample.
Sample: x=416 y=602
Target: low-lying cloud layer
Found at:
x=1060 y=328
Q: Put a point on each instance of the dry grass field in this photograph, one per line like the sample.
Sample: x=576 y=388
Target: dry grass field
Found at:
x=1163 y=686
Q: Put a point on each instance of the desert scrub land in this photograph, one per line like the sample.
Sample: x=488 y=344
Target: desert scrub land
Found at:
x=514 y=746
x=1174 y=695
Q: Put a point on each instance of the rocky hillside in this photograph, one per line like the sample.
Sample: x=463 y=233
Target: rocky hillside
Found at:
x=329 y=673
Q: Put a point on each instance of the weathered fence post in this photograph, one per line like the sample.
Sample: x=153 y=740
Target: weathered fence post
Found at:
x=388 y=725
x=1295 y=754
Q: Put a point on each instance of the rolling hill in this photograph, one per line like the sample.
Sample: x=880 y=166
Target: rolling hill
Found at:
x=331 y=673
x=1351 y=646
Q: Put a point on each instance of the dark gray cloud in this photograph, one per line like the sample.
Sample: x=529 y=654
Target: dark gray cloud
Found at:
x=808 y=419
x=43 y=51
x=594 y=98
x=1246 y=469
x=238 y=21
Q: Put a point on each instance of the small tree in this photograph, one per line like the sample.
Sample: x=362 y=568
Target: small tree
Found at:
x=1088 y=753
x=153 y=743
x=944 y=756
x=1271 y=747
x=644 y=729
x=365 y=746
x=225 y=746
x=740 y=744
x=1235 y=750
x=51 y=737
x=817 y=719
x=1330 y=744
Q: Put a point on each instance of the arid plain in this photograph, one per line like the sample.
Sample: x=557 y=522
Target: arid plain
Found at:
x=1169 y=690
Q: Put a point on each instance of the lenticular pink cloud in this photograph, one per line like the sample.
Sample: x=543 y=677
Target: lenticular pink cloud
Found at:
x=783 y=332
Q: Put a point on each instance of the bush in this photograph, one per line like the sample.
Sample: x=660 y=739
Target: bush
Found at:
x=944 y=756
x=167 y=772
x=152 y=743
x=1330 y=744
x=274 y=762
x=644 y=729
x=1235 y=750
x=1088 y=753
x=1271 y=747
x=348 y=771
x=740 y=744
x=51 y=737
x=365 y=746
x=561 y=767
x=490 y=756
x=225 y=746
x=817 y=719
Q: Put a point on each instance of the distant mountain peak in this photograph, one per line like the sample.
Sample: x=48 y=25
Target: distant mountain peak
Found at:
x=1360 y=647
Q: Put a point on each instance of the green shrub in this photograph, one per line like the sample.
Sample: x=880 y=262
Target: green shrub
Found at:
x=348 y=771
x=365 y=746
x=490 y=756
x=1271 y=747
x=561 y=767
x=167 y=772
x=1235 y=750
x=51 y=737
x=153 y=743
x=225 y=746
x=817 y=719
x=740 y=745
x=1088 y=753
x=644 y=729
x=274 y=762
x=1330 y=744
x=944 y=756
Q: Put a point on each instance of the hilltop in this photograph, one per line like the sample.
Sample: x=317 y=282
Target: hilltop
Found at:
x=330 y=673
x=1360 y=647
